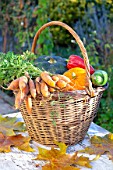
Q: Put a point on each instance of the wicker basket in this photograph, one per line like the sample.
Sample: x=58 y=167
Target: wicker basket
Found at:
x=66 y=116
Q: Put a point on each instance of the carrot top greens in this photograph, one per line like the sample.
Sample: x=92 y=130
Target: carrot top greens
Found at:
x=13 y=66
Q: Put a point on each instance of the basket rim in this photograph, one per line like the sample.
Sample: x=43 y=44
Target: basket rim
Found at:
x=83 y=92
x=77 y=94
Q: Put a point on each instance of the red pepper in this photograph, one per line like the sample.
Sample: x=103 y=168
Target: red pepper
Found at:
x=77 y=61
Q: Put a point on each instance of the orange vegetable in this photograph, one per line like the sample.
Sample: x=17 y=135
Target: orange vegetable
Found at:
x=61 y=84
x=37 y=83
x=28 y=102
x=78 y=78
x=14 y=85
x=64 y=78
x=44 y=89
x=18 y=100
x=32 y=88
x=23 y=82
x=51 y=89
x=68 y=88
x=38 y=79
x=47 y=78
x=38 y=88
x=55 y=78
x=25 y=91
x=27 y=75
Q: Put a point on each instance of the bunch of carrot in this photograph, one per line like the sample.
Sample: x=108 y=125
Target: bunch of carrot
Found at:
x=26 y=88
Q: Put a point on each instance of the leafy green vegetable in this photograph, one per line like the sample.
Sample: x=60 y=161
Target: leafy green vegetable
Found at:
x=13 y=66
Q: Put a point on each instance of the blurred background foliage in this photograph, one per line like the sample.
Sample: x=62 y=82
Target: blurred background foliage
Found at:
x=91 y=19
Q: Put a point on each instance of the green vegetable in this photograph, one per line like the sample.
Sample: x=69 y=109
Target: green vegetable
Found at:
x=13 y=66
x=99 y=78
x=52 y=64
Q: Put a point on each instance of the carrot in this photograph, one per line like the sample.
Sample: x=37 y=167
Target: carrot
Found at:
x=25 y=91
x=14 y=85
x=38 y=79
x=23 y=82
x=28 y=102
x=55 y=78
x=27 y=74
x=38 y=90
x=61 y=84
x=68 y=88
x=18 y=100
x=37 y=83
x=51 y=89
x=64 y=78
x=46 y=77
x=44 y=89
x=32 y=88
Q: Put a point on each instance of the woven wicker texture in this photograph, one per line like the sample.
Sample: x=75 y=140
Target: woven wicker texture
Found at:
x=64 y=117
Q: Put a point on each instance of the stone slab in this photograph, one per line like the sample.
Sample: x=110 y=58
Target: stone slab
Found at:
x=6 y=104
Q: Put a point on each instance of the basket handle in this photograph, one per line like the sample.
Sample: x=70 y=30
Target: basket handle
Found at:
x=89 y=89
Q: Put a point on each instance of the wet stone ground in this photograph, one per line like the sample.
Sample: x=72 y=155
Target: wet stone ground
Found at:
x=6 y=104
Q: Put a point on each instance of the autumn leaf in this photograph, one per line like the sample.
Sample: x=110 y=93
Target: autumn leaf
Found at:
x=61 y=146
x=58 y=159
x=83 y=161
x=18 y=141
x=9 y=124
x=101 y=145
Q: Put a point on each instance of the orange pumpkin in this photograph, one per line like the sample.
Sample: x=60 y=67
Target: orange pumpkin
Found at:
x=78 y=78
